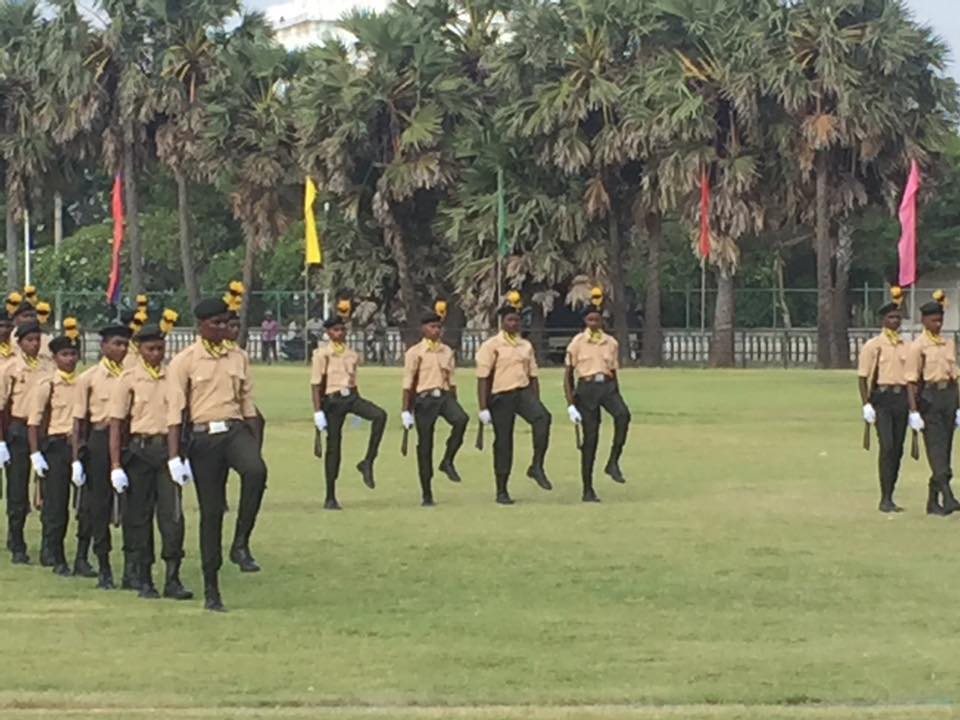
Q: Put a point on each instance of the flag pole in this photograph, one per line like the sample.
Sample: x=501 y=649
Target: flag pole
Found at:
x=26 y=246
x=306 y=312
x=703 y=295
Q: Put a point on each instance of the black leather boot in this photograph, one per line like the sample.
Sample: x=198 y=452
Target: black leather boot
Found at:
x=365 y=467
x=539 y=476
x=240 y=555
x=211 y=592
x=131 y=573
x=950 y=504
x=172 y=587
x=105 y=574
x=503 y=497
x=81 y=565
x=933 y=502
x=147 y=589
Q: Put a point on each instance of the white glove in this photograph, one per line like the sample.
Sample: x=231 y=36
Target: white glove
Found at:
x=4 y=453
x=406 y=417
x=119 y=480
x=916 y=422
x=575 y=416
x=869 y=414
x=78 y=476
x=485 y=417
x=320 y=420
x=39 y=463
x=180 y=471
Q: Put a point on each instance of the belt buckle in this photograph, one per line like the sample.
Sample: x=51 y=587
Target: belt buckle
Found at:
x=218 y=427
x=599 y=378
x=344 y=392
x=435 y=392
x=897 y=389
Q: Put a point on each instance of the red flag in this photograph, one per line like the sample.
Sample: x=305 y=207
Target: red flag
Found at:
x=908 y=228
x=113 y=287
x=704 y=214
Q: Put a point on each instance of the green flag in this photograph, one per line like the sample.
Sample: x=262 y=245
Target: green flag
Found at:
x=503 y=244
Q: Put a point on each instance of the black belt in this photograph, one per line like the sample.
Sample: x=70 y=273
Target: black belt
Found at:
x=99 y=427
x=345 y=392
x=942 y=385
x=204 y=428
x=435 y=393
x=148 y=440
x=598 y=378
x=58 y=436
x=895 y=389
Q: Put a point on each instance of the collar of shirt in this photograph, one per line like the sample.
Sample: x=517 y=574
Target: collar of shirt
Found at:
x=511 y=339
x=114 y=369
x=32 y=363
x=596 y=338
x=67 y=378
x=338 y=348
x=432 y=345
x=154 y=372
x=5 y=350
x=893 y=336
x=935 y=339
x=214 y=350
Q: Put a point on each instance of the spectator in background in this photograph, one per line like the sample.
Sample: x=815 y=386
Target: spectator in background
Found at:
x=269 y=331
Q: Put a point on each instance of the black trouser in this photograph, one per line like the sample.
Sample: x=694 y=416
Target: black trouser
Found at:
x=504 y=408
x=939 y=408
x=96 y=500
x=212 y=457
x=268 y=350
x=589 y=398
x=152 y=491
x=56 y=496
x=337 y=407
x=426 y=410
x=18 y=486
x=893 y=411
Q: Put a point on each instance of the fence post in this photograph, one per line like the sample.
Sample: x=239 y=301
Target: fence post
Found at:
x=686 y=294
x=866 y=303
x=773 y=306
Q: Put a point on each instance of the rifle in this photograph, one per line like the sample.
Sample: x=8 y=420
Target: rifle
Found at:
x=37 y=492
x=177 y=503
x=576 y=435
x=115 y=514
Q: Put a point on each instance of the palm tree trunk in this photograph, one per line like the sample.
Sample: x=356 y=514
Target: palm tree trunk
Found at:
x=13 y=248
x=132 y=210
x=186 y=249
x=652 y=354
x=721 y=345
x=57 y=220
x=824 y=253
x=618 y=285
x=840 y=348
x=249 y=261
x=408 y=292
x=538 y=331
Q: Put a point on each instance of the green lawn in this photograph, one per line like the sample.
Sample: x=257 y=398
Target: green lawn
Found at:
x=743 y=572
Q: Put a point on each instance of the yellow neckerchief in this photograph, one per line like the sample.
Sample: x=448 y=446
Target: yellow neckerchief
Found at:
x=892 y=335
x=230 y=344
x=5 y=350
x=935 y=339
x=216 y=350
x=338 y=348
x=32 y=362
x=432 y=345
x=155 y=372
x=511 y=338
x=68 y=377
x=115 y=369
x=595 y=337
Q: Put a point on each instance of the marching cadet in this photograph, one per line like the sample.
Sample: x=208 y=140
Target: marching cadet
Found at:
x=507 y=386
x=234 y=300
x=931 y=374
x=429 y=393
x=333 y=382
x=19 y=381
x=49 y=426
x=210 y=396
x=134 y=320
x=883 y=392
x=26 y=314
x=8 y=358
x=138 y=433
x=91 y=447
x=593 y=357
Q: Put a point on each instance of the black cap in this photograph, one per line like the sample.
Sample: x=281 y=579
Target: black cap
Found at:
x=210 y=307
x=62 y=342
x=430 y=318
x=28 y=329
x=334 y=322
x=24 y=307
x=115 y=331
x=509 y=310
x=150 y=332
x=931 y=308
x=889 y=308
x=591 y=309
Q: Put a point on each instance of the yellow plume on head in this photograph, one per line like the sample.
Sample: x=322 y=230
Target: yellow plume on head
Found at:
x=896 y=294
x=71 y=328
x=515 y=299
x=142 y=301
x=168 y=321
x=596 y=297
x=940 y=296
x=30 y=294
x=344 y=308
x=440 y=308
x=236 y=288
x=43 y=312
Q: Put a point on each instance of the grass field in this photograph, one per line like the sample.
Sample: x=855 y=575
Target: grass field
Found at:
x=743 y=572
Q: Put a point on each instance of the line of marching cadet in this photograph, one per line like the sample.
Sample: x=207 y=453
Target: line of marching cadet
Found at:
x=129 y=433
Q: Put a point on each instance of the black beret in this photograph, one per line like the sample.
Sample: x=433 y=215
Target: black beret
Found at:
x=509 y=310
x=210 y=307
x=150 y=332
x=62 y=342
x=334 y=322
x=889 y=308
x=115 y=331
x=430 y=318
x=931 y=308
x=591 y=309
x=24 y=308
x=28 y=329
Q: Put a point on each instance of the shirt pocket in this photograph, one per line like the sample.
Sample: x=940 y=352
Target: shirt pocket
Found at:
x=237 y=379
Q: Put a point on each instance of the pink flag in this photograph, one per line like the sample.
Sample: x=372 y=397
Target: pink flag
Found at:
x=908 y=228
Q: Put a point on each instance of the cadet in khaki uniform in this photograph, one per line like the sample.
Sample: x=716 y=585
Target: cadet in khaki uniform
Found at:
x=883 y=391
x=211 y=389
x=333 y=381
x=429 y=393
x=507 y=386
x=8 y=358
x=931 y=373
x=26 y=315
x=91 y=447
x=594 y=358
x=49 y=427
x=19 y=381
x=138 y=456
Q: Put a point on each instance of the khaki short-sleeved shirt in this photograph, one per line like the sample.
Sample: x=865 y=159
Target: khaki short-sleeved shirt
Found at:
x=931 y=361
x=61 y=397
x=96 y=388
x=888 y=359
x=142 y=398
x=431 y=367
x=593 y=358
x=512 y=364
x=19 y=380
x=220 y=388
x=338 y=367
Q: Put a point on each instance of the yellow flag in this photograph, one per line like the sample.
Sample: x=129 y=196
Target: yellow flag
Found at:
x=314 y=255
